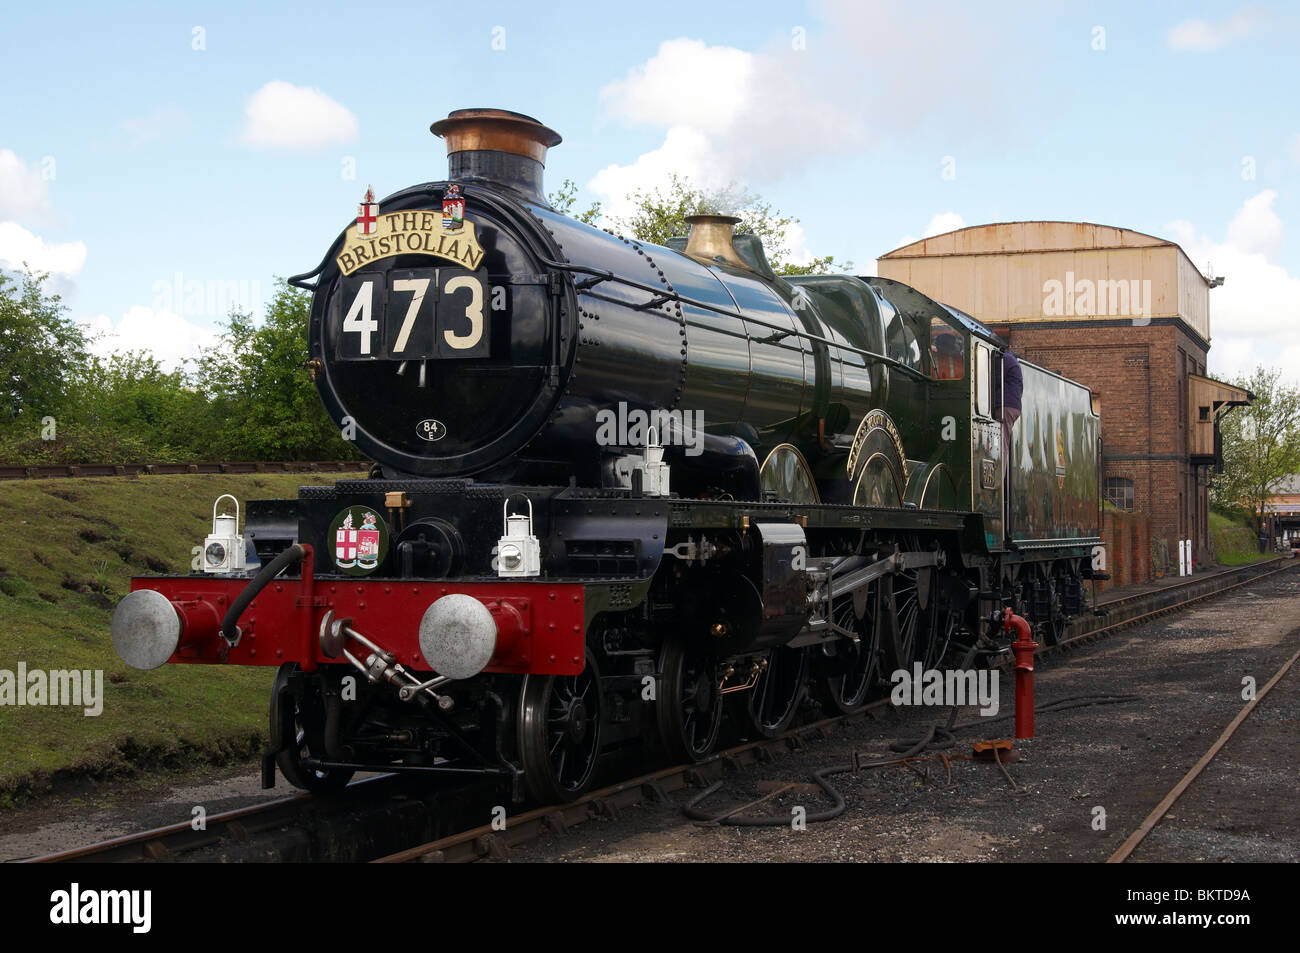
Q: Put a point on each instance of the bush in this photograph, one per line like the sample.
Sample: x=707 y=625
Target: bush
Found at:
x=248 y=398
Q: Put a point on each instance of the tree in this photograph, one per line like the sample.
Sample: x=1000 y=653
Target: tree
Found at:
x=660 y=215
x=1261 y=444
x=257 y=381
x=564 y=199
x=129 y=400
x=41 y=348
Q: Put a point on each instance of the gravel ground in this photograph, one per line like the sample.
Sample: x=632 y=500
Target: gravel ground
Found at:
x=1120 y=759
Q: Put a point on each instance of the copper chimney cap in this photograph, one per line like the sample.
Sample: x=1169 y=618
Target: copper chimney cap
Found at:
x=710 y=239
x=497 y=130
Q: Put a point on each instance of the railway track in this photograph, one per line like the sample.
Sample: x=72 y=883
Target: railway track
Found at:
x=55 y=471
x=1149 y=823
x=469 y=841
x=174 y=840
x=488 y=842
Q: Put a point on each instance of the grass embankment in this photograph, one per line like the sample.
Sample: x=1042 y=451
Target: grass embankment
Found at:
x=1235 y=544
x=68 y=549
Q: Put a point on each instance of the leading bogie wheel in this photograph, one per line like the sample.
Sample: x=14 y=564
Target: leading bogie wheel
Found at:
x=300 y=722
x=559 y=732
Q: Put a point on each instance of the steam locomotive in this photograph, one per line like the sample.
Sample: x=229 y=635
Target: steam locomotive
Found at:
x=623 y=494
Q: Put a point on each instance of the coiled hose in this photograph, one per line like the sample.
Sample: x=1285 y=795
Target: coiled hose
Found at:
x=936 y=738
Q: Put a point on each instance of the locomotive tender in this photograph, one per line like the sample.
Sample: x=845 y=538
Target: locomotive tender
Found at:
x=619 y=489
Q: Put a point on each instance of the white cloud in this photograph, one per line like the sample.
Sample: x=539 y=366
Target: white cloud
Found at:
x=944 y=222
x=1255 y=314
x=796 y=246
x=1256 y=227
x=283 y=116
x=1201 y=36
x=19 y=246
x=728 y=116
x=23 y=191
x=160 y=122
x=686 y=82
x=940 y=223
x=168 y=336
x=749 y=118
x=686 y=152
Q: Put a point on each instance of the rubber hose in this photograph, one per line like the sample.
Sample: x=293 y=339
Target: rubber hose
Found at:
x=288 y=557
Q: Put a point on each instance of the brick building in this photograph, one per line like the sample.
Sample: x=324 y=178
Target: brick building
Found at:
x=1125 y=313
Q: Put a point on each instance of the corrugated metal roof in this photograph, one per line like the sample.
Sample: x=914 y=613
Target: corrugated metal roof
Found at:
x=995 y=238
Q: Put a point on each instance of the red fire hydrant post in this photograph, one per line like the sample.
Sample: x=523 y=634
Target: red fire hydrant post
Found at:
x=1023 y=646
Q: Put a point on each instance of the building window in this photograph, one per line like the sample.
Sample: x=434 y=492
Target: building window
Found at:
x=1205 y=414
x=1119 y=492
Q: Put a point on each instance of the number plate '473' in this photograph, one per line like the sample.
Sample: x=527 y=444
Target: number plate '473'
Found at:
x=410 y=314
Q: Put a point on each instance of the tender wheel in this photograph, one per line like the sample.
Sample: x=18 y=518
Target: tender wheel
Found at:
x=688 y=708
x=1056 y=619
x=559 y=732
x=848 y=675
x=770 y=706
x=301 y=725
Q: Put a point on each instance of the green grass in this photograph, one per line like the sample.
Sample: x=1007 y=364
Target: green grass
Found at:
x=68 y=549
x=1235 y=544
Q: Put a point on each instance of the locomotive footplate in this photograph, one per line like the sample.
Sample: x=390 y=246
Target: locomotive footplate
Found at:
x=540 y=624
x=716 y=514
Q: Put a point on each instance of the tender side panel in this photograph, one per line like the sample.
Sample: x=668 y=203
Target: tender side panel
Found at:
x=1053 y=491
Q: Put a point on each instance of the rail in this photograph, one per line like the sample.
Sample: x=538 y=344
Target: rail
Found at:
x=55 y=471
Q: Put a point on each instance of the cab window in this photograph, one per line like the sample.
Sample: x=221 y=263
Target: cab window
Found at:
x=947 y=351
x=983 y=381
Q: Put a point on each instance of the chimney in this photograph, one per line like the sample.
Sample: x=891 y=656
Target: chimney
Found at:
x=710 y=239
x=497 y=146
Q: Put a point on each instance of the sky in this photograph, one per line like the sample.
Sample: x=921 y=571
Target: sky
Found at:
x=165 y=161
